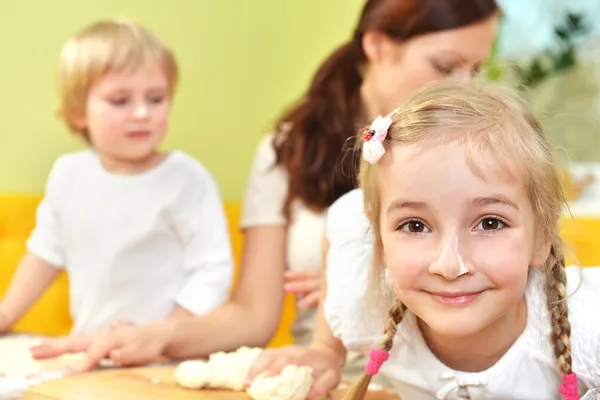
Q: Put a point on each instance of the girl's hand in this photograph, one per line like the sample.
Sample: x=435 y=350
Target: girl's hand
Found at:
x=306 y=285
x=125 y=346
x=327 y=366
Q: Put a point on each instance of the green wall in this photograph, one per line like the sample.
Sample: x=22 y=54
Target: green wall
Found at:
x=242 y=62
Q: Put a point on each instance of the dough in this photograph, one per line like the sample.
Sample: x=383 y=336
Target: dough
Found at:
x=221 y=371
x=16 y=360
x=193 y=374
x=293 y=383
x=229 y=371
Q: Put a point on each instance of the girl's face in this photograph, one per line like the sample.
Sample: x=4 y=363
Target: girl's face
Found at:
x=439 y=217
x=397 y=69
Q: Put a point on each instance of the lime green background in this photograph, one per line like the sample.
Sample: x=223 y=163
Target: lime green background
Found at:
x=242 y=63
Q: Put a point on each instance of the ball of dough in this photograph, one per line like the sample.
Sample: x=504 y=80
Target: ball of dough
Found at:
x=229 y=370
x=193 y=374
x=221 y=371
x=293 y=383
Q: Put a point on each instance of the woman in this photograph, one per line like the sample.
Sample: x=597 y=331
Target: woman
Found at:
x=397 y=47
x=298 y=173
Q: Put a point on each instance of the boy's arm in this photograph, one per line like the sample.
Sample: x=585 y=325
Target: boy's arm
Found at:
x=32 y=278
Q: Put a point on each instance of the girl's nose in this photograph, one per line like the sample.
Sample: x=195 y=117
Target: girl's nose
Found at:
x=449 y=263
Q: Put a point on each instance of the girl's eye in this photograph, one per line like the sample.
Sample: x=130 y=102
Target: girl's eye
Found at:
x=414 y=226
x=490 y=224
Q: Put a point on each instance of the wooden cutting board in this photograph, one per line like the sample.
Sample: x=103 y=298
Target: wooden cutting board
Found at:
x=150 y=383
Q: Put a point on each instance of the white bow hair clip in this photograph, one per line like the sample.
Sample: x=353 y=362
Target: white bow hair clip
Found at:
x=374 y=136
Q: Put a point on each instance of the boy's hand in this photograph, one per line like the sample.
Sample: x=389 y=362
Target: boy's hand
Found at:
x=126 y=345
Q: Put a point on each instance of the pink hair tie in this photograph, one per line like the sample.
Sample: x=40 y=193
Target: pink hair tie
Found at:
x=376 y=360
x=569 y=387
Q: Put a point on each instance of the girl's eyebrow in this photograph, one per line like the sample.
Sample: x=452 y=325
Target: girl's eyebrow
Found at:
x=495 y=199
x=477 y=202
x=415 y=205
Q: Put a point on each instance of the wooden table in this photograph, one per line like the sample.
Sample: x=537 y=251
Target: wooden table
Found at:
x=149 y=383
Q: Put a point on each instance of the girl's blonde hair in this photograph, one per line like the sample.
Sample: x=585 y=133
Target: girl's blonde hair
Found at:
x=105 y=46
x=498 y=123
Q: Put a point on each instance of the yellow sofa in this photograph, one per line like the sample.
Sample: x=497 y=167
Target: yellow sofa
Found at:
x=50 y=315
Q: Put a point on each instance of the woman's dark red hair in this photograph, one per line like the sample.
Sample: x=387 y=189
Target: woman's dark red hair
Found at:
x=317 y=129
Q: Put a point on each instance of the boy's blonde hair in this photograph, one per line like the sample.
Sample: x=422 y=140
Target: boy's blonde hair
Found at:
x=497 y=123
x=108 y=45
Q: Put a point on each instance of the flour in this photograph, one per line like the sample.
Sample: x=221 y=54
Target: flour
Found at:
x=16 y=360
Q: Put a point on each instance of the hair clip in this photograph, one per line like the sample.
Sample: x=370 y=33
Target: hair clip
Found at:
x=373 y=148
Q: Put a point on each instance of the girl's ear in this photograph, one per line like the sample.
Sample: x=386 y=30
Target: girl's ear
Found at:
x=541 y=252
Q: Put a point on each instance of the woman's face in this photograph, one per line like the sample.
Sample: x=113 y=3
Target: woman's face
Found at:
x=395 y=69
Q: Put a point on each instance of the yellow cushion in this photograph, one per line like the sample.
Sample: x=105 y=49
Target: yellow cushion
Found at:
x=50 y=315
x=581 y=237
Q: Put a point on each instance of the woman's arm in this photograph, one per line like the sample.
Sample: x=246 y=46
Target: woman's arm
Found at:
x=252 y=315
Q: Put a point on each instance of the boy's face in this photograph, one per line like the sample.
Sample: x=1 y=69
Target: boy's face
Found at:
x=127 y=113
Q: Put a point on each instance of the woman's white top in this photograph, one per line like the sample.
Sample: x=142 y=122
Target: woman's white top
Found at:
x=527 y=371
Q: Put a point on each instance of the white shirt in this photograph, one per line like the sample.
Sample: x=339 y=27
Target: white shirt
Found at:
x=134 y=246
x=265 y=196
x=527 y=371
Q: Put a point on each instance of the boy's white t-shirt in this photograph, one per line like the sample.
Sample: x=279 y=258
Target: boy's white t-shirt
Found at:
x=528 y=371
x=134 y=246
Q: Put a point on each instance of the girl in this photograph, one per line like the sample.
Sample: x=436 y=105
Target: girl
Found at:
x=463 y=196
x=396 y=47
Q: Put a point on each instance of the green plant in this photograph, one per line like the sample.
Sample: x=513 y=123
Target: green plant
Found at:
x=560 y=59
